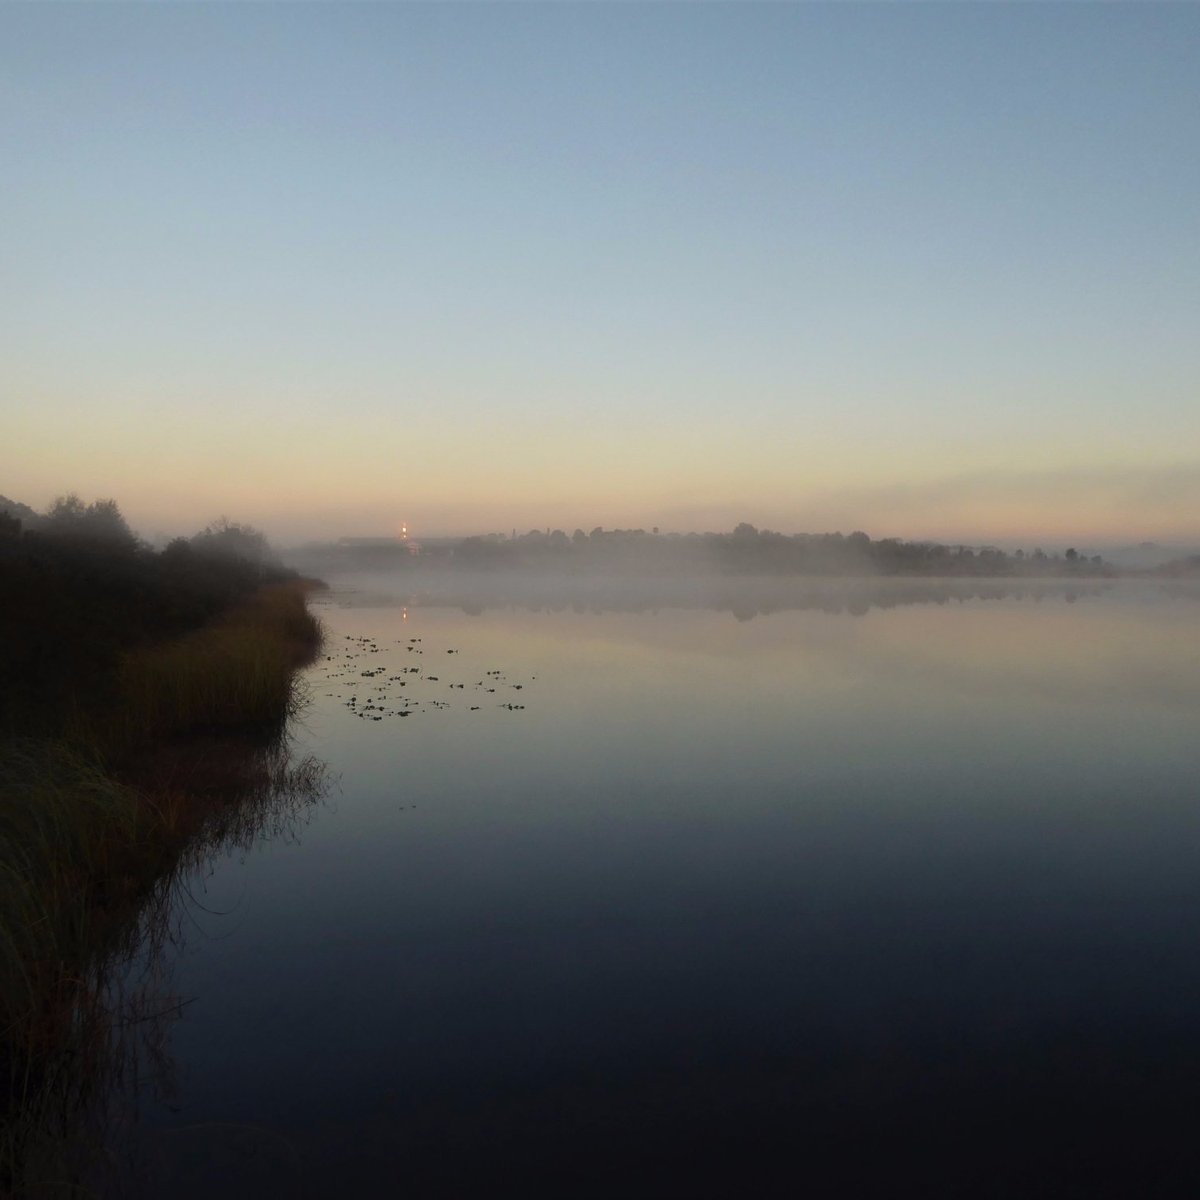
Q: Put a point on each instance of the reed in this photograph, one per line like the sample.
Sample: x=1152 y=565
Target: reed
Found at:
x=234 y=675
x=74 y=1025
x=68 y=836
x=88 y=833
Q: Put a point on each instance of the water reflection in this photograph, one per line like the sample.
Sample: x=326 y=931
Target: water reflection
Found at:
x=1133 y=646
x=79 y=1121
x=879 y=902
x=744 y=598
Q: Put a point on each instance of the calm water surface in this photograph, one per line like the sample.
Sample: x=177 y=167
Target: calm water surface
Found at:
x=872 y=901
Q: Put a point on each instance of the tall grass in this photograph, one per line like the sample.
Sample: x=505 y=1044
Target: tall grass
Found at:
x=236 y=674
x=70 y=870
x=63 y=825
x=77 y=1025
x=88 y=835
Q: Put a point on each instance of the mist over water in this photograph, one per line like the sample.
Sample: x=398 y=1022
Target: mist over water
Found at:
x=864 y=885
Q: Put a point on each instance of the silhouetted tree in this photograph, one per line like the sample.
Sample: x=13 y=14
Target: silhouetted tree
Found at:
x=224 y=538
x=100 y=521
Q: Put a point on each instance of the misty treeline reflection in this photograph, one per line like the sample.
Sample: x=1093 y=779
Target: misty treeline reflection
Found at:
x=75 y=1128
x=744 y=599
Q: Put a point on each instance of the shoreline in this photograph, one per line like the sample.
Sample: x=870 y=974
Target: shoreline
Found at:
x=99 y=821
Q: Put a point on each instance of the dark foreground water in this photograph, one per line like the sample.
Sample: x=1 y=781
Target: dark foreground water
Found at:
x=897 y=894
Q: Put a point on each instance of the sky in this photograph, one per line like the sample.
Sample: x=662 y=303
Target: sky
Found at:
x=926 y=270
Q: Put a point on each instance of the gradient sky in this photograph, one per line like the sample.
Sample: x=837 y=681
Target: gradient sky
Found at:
x=921 y=270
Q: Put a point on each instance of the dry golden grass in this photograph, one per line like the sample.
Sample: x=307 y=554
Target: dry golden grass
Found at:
x=236 y=674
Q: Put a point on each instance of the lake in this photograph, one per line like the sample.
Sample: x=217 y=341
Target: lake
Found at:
x=698 y=890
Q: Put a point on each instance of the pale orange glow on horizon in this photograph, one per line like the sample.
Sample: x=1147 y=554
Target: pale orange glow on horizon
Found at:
x=1082 y=507
x=752 y=320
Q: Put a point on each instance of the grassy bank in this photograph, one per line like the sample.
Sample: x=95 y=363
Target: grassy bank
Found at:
x=103 y=800
x=236 y=674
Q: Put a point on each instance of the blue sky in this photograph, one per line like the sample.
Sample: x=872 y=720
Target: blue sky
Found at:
x=928 y=270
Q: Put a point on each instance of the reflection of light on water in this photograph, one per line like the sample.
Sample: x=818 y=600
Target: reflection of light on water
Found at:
x=404 y=614
x=413 y=547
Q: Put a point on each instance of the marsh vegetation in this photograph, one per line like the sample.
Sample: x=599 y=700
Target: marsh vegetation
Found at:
x=143 y=722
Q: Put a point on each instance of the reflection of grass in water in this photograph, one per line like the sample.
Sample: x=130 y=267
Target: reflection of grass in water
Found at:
x=83 y=1042
x=89 y=863
x=63 y=822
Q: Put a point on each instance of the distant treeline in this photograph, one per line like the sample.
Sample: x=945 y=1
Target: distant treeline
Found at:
x=744 y=551
x=1187 y=567
x=748 y=550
